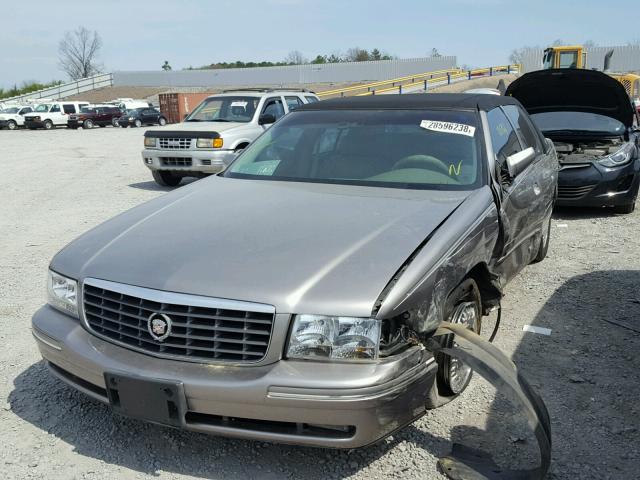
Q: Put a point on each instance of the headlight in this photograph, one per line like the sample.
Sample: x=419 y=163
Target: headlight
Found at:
x=622 y=156
x=209 y=143
x=62 y=293
x=150 y=141
x=319 y=337
x=131 y=119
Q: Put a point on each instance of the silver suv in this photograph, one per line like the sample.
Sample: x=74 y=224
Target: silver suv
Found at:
x=216 y=131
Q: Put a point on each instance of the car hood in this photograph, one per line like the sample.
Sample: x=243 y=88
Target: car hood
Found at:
x=302 y=247
x=573 y=90
x=207 y=126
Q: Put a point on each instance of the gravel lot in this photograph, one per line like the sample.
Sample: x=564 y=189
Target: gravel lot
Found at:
x=57 y=184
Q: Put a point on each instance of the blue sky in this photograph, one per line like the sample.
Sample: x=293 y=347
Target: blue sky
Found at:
x=141 y=34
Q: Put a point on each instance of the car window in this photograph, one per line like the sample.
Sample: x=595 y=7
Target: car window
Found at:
x=311 y=99
x=55 y=108
x=421 y=149
x=521 y=123
x=503 y=137
x=293 y=102
x=274 y=107
x=25 y=110
x=68 y=108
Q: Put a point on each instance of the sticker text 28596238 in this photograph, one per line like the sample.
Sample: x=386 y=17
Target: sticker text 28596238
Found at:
x=448 y=127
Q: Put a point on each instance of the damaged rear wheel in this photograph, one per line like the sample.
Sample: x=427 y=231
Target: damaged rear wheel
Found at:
x=463 y=308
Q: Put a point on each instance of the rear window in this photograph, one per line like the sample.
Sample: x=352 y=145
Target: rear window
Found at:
x=68 y=108
x=425 y=149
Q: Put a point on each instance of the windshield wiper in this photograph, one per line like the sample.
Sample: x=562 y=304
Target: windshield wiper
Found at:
x=193 y=120
x=220 y=120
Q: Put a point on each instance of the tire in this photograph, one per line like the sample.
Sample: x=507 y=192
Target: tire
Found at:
x=162 y=121
x=464 y=306
x=87 y=124
x=166 y=179
x=544 y=244
x=12 y=125
x=138 y=123
x=48 y=124
x=114 y=122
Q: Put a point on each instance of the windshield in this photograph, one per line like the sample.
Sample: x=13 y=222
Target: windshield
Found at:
x=10 y=110
x=43 y=108
x=577 y=122
x=388 y=148
x=225 y=109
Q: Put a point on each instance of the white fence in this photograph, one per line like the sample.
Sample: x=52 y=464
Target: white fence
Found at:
x=67 y=89
x=625 y=59
x=294 y=74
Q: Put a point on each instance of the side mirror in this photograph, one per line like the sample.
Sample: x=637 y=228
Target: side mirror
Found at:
x=266 y=119
x=518 y=162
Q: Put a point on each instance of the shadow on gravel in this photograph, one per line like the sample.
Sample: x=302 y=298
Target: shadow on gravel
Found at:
x=153 y=186
x=94 y=431
x=577 y=213
x=587 y=374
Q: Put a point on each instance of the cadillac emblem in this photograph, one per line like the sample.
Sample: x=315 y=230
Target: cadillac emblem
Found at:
x=159 y=326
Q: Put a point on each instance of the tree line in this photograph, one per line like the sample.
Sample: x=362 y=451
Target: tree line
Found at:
x=296 y=57
x=26 y=87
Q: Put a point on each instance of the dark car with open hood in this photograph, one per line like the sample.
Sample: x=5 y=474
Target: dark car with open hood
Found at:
x=594 y=126
x=291 y=297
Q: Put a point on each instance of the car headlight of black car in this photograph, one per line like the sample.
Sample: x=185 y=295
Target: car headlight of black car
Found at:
x=322 y=337
x=621 y=157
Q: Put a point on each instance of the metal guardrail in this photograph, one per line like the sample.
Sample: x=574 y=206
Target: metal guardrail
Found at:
x=67 y=89
x=436 y=78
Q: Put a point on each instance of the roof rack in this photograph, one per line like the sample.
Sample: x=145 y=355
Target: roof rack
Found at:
x=268 y=89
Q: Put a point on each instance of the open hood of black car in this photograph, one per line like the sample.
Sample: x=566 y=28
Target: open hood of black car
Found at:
x=573 y=90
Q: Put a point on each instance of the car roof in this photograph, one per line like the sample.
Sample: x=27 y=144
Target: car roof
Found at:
x=455 y=101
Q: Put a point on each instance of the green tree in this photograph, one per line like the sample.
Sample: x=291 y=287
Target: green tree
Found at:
x=320 y=59
x=166 y=67
x=375 y=54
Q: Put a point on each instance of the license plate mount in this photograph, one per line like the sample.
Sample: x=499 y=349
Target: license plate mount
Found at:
x=157 y=401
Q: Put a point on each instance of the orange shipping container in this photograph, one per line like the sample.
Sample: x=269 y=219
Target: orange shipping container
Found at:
x=174 y=106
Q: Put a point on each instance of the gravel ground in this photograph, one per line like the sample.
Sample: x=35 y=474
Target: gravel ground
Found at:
x=58 y=184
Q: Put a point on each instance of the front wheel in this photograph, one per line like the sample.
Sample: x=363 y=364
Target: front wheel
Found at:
x=48 y=124
x=12 y=125
x=162 y=121
x=166 y=179
x=138 y=123
x=625 y=209
x=453 y=376
x=87 y=124
x=114 y=122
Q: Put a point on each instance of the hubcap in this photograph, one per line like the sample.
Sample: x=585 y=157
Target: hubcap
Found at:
x=459 y=373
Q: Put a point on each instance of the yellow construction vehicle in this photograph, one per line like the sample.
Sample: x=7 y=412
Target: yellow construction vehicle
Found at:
x=630 y=82
x=566 y=56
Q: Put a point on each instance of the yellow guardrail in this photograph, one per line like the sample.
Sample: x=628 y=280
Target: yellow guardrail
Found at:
x=449 y=76
x=385 y=82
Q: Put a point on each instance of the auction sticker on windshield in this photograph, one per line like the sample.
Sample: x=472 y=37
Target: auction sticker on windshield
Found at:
x=448 y=127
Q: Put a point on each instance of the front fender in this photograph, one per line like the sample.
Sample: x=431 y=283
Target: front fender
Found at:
x=465 y=239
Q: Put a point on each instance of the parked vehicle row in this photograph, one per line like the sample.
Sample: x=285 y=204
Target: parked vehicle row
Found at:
x=52 y=114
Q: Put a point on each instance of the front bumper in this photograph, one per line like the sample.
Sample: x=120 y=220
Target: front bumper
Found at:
x=204 y=161
x=592 y=185
x=303 y=403
x=33 y=123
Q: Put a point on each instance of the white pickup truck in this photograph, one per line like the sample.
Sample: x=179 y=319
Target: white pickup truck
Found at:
x=12 y=116
x=216 y=131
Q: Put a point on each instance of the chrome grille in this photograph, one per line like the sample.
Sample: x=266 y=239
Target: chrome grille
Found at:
x=573 y=192
x=176 y=161
x=198 y=332
x=175 y=143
